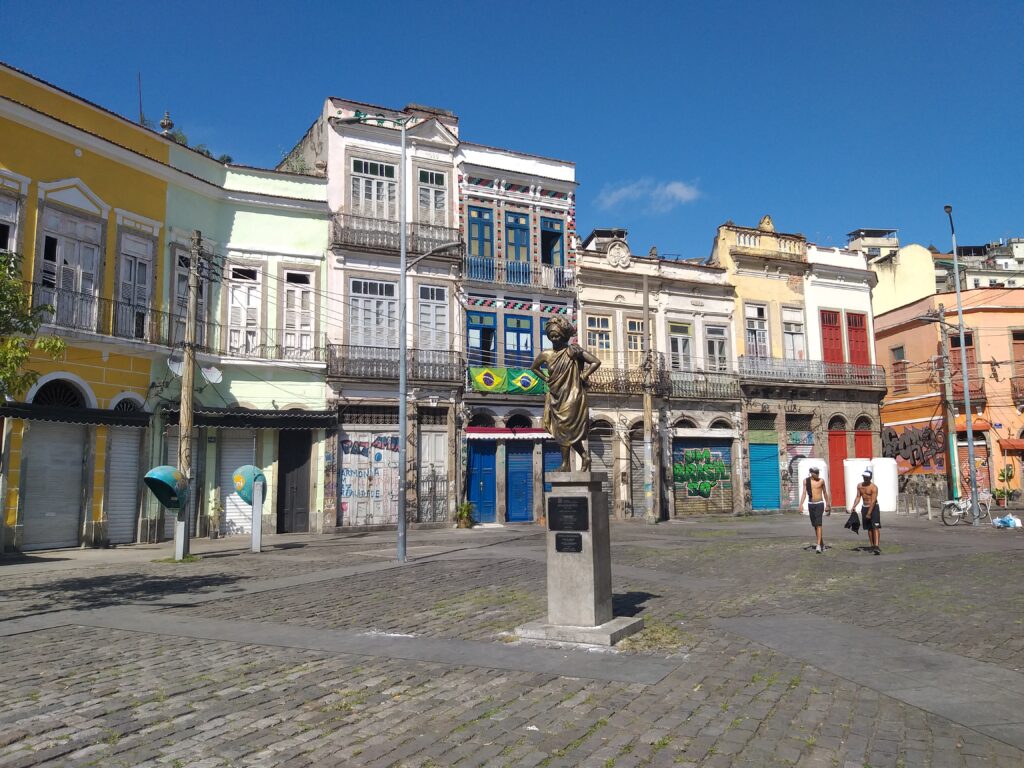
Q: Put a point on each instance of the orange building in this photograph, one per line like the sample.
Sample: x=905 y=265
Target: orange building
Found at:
x=915 y=422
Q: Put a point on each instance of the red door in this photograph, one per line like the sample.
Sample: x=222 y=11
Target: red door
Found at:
x=832 y=345
x=836 y=454
x=857 y=338
x=862 y=444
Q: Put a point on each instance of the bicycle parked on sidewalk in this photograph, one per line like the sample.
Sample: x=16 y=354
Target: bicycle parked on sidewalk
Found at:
x=955 y=511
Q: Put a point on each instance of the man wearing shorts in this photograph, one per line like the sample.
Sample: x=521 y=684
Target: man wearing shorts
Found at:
x=867 y=492
x=817 y=499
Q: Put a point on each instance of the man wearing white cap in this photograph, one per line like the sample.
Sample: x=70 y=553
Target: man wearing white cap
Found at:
x=817 y=498
x=867 y=492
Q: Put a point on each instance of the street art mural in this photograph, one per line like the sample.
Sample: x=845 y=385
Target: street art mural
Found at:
x=368 y=479
x=917 y=450
x=701 y=470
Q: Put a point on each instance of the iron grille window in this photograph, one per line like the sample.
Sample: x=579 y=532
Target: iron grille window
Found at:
x=368 y=414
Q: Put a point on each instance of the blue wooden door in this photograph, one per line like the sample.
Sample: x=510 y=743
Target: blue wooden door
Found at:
x=764 y=476
x=481 y=480
x=519 y=481
x=552 y=461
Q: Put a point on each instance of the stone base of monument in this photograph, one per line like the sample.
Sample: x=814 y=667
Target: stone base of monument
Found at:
x=579 y=575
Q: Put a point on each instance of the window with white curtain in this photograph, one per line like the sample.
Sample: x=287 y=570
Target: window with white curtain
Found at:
x=297 y=322
x=373 y=313
x=433 y=197
x=433 y=317
x=793 y=334
x=374 y=189
x=243 y=311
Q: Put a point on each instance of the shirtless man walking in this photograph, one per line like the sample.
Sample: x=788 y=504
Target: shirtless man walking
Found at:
x=817 y=498
x=867 y=492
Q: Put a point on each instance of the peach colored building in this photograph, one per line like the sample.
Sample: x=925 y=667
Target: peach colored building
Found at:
x=914 y=422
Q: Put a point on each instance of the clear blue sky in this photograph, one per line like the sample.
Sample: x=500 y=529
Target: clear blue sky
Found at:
x=679 y=115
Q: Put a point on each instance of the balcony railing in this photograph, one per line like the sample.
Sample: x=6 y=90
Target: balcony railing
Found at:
x=627 y=374
x=704 y=386
x=385 y=234
x=776 y=370
x=353 y=361
x=105 y=317
x=1017 y=390
x=976 y=382
x=518 y=273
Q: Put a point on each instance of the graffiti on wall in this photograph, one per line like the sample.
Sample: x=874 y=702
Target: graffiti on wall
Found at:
x=916 y=450
x=701 y=470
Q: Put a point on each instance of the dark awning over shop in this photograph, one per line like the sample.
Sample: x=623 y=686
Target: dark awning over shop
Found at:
x=248 y=418
x=90 y=416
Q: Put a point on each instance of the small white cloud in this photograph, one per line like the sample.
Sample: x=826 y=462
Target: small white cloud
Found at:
x=658 y=196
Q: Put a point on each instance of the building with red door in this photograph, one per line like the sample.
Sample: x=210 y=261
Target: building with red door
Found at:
x=803 y=330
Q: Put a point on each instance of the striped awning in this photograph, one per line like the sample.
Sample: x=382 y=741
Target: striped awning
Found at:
x=506 y=433
x=84 y=416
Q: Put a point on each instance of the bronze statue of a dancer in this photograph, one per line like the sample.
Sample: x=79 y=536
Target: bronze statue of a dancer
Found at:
x=566 y=415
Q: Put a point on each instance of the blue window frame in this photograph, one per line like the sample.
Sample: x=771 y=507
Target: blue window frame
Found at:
x=518 y=341
x=552 y=242
x=517 y=237
x=481 y=233
x=481 y=340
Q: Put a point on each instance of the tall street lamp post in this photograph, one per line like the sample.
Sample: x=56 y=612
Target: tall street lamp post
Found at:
x=403 y=331
x=963 y=370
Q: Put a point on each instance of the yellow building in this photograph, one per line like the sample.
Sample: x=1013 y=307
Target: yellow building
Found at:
x=803 y=336
x=82 y=200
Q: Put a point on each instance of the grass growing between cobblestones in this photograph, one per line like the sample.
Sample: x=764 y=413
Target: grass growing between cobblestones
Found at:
x=658 y=635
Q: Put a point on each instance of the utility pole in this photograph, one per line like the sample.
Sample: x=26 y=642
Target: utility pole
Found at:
x=650 y=516
x=188 y=375
x=949 y=411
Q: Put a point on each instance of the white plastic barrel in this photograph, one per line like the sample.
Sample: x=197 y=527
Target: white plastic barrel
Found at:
x=803 y=471
x=884 y=474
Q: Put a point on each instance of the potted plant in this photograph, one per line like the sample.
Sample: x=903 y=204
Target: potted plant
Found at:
x=1005 y=476
x=464 y=515
x=214 y=517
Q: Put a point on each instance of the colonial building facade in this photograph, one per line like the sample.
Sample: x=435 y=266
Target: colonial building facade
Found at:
x=806 y=358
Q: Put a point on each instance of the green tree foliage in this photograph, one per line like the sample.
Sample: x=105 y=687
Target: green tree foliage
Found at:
x=19 y=327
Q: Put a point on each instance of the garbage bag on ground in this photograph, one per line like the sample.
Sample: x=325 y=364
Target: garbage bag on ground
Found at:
x=1007 y=521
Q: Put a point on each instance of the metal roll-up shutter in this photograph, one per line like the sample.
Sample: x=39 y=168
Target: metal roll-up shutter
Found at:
x=764 y=476
x=235 y=448
x=799 y=445
x=519 y=481
x=369 y=477
x=765 y=483
x=54 y=459
x=553 y=460
x=123 y=484
x=702 y=476
x=600 y=444
x=171 y=458
x=981 y=466
x=636 y=506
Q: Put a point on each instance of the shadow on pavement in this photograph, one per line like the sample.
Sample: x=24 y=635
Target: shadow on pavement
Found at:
x=630 y=603
x=89 y=592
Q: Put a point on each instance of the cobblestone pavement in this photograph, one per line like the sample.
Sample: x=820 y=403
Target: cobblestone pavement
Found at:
x=322 y=652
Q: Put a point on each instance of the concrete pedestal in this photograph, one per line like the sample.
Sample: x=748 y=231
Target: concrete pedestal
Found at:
x=579 y=574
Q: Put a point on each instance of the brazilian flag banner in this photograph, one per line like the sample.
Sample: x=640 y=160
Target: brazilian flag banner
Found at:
x=488 y=379
x=525 y=381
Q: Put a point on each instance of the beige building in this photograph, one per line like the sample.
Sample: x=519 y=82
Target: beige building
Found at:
x=689 y=377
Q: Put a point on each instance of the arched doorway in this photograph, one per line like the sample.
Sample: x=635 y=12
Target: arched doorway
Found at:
x=837 y=453
x=863 y=444
x=53 y=469
x=519 y=421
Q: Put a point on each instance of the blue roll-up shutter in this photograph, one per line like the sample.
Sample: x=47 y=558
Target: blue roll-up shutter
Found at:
x=519 y=485
x=552 y=461
x=764 y=476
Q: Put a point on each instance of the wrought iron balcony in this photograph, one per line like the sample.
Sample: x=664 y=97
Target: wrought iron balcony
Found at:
x=626 y=373
x=105 y=317
x=976 y=382
x=518 y=273
x=350 y=361
x=704 y=386
x=1017 y=390
x=385 y=234
x=781 y=371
